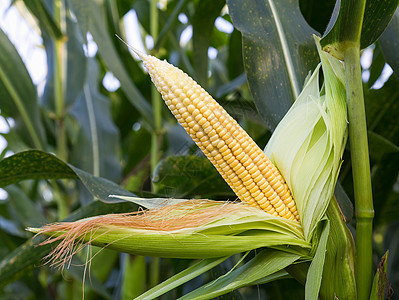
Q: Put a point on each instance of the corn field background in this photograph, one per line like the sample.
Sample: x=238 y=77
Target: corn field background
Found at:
x=112 y=130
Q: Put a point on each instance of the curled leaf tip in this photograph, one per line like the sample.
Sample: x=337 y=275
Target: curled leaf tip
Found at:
x=32 y=229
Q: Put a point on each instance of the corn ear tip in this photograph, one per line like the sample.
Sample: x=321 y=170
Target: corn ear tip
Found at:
x=140 y=54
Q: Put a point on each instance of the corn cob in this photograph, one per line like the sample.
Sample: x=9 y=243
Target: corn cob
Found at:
x=242 y=164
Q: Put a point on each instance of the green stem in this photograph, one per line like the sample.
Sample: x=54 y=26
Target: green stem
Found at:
x=156 y=136
x=59 y=80
x=361 y=171
x=155 y=266
x=59 y=99
x=60 y=199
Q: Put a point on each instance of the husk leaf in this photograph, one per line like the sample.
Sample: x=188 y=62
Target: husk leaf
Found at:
x=308 y=143
x=191 y=229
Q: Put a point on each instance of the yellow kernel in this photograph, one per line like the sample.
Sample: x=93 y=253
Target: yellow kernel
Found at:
x=246 y=177
x=251 y=185
x=228 y=126
x=200 y=119
x=240 y=156
x=268 y=193
x=195 y=112
x=175 y=101
x=233 y=164
x=256 y=193
x=245 y=159
x=259 y=197
x=224 y=148
x=234 y=145
x=218 y=157
x=253 y=190
x=248 y=164
x=255 y=173
x=234 y=179
x=190 y=108
x=223 y=165
x=279 y=189
x=239 y=169
x=189 y=92
x=185 y=100
x=229 y=172
x=206 y=126
x=228 y=157
x=259 y=179
x=214 y=153
x=201 y=136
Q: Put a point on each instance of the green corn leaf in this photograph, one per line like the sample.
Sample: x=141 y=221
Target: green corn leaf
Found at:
x=315 y=272
x=24 y=207
x=35 y=164
x=169 y=23
x=18 y=94
x=42 y=13
x=179 y=176
x=380 y=279
x=389 y=43
x=98 y=139
x=181 y=278
x=91 y=17
x=203 y=22
x=278 y=53
x=76 y=66
x=265 y=263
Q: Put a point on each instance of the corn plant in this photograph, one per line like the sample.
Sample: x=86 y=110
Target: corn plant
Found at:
x=257 y=219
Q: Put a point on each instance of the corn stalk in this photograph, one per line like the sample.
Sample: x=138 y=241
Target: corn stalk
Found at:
x=359 y=156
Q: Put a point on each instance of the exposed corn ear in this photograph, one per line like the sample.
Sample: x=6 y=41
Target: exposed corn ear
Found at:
x=242 y=164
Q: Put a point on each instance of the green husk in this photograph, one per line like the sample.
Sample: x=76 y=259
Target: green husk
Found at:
x=308 y=143
x=339 y=271
x=231 y=228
